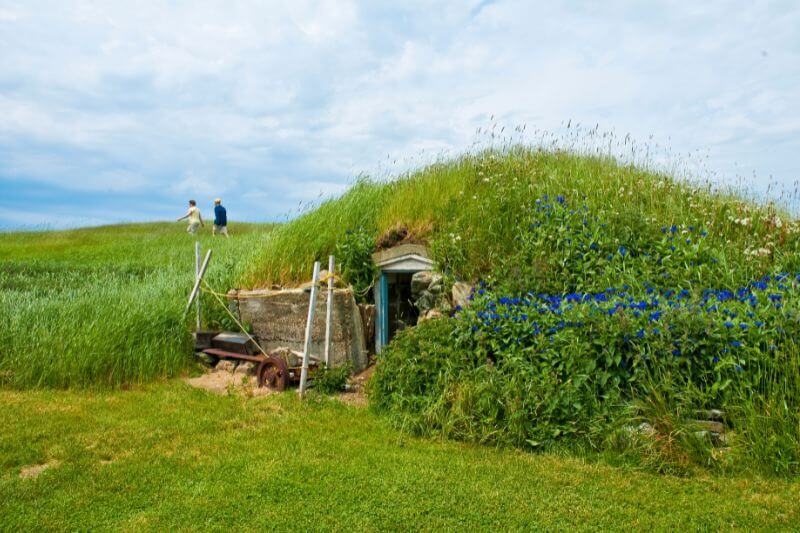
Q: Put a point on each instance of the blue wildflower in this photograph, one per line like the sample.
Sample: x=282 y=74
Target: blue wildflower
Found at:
x=736 y=344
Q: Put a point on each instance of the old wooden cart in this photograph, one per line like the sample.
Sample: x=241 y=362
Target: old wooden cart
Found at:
x=274 y=371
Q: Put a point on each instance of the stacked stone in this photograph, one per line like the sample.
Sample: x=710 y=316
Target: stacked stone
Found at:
x=711 y=424
x=428 y=295
x=432 y=300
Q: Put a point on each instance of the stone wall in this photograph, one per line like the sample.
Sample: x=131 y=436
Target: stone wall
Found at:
x=278 y=318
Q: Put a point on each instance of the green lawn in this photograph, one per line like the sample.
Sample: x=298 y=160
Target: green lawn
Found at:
x=165 y=457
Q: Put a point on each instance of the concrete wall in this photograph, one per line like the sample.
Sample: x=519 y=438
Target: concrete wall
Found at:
x=279 y=317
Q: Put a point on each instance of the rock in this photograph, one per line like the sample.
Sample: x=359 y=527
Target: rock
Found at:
x=711 y=414
x=718 y=440
x=226 y=366
x=278 y=319
x=425 y=302
x=461 y=292
x=420 y=281
x=430 y=315
x=710 y=425
x=436 y=285
x=703 y=435
x=368 y=322
x=645 y=429
x=245 y=368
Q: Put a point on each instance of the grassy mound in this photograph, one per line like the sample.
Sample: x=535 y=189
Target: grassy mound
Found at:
x=103 y=306
x=608 y=295
x=469 y=209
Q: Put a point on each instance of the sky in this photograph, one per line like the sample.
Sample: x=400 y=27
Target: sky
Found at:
x=122 y=111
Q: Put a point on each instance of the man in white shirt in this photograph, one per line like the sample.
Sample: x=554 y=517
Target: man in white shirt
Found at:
x=195 y=219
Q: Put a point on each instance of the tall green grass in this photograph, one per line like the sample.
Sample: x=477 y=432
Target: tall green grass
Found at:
x=103 y=306
x=487 y=192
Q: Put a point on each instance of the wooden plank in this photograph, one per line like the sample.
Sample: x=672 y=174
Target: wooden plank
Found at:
x=223 y=354
x=196 y=288
x=309 y=327
x=329 y=312
x=196 y=274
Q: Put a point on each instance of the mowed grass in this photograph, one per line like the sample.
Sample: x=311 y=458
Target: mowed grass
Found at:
x=103 y=306
x=167 y=457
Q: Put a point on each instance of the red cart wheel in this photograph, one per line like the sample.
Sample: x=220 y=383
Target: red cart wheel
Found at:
x=273 y=374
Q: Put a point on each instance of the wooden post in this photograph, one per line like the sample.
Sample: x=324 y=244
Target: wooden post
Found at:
x=196 y=288
x=197 y=275
x=312 y=302
x=329 y=312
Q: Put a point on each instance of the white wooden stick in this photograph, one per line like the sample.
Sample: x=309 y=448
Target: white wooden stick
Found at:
x=196 y=288
x=312 y=302
x=196 y=275
x=329 y=313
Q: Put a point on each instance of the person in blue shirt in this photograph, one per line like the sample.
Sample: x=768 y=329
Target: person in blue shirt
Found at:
x=220 y=219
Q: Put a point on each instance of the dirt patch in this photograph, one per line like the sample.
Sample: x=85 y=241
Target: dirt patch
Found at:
x=33 y=471
x=357 y=396
x=228 y=378
x=402 y=234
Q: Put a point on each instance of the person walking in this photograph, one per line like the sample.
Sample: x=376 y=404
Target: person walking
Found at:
x=194 y=217
x=220 y=219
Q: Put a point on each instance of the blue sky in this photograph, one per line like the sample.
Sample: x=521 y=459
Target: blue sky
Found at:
x=121 y=111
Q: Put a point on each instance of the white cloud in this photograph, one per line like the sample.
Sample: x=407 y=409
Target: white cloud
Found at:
x=206 y=98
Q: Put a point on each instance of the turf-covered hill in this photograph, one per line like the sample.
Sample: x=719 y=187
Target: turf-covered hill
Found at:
x=606 y=296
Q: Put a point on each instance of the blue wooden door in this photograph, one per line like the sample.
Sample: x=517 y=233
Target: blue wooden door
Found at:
x=382 y=309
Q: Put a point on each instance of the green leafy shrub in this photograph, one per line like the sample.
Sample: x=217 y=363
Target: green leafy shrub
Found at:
x=354 y=256
x=329 y=380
